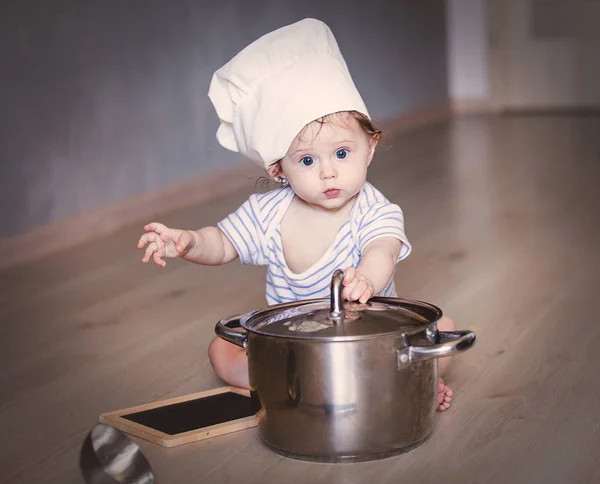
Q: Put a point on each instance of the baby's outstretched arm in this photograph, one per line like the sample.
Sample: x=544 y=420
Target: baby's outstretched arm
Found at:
x=207 y=246
x=374 y=271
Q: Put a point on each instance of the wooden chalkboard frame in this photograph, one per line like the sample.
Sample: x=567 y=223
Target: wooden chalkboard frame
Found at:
x=153 y=435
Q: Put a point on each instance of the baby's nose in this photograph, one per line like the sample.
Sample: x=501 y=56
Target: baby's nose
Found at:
x=328 y=171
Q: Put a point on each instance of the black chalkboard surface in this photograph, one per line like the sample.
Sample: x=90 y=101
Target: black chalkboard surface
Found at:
x=190 y=418
x=196 y=414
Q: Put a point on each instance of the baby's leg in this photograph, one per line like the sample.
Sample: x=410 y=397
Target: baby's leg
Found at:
x=444 y=396
x=229 y=362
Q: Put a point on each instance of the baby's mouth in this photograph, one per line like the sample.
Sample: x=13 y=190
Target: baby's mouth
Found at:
x=332 y=193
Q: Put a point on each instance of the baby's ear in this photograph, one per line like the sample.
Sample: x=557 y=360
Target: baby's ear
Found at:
x=274 y=170
x=373 y=142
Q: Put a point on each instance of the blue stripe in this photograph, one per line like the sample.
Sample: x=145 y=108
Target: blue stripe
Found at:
x=344 y=237
x=272 y=284
x=378 y=228
x=270 y=217
x=388 y=229
x=248 y=254
x=383 y=220
x=275 y=204
x=393 y=229
x=381 y=211
x=389 y=290
x=277 y=299
x=273 y=299
x=257 y=218
x=324 y=291
x=365 y=205
x=365 y=191
x=278 y=276
x=244 y=208
x=268 y=197
x=273 y=262
x=231 y=238
x=374 y=234
x=273 y=248
x=247 y=235
x=377 y=196
x=257 y=243
x=281 y=297
x=266 y=217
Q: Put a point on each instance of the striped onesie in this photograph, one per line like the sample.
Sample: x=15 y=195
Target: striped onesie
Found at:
x=254 y=230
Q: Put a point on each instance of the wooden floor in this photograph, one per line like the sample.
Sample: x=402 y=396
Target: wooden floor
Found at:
x=503 y=214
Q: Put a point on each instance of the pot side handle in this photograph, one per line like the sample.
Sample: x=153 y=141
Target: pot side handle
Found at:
x=224 y=331
x=452 y=342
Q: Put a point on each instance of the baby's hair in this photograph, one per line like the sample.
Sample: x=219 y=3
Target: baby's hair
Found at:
x=367 y=125
x=267 y=183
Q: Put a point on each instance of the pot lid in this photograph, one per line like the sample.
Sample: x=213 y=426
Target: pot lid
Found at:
x=326 y=319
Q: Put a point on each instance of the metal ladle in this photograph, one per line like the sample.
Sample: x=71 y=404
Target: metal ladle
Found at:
x=108 y=456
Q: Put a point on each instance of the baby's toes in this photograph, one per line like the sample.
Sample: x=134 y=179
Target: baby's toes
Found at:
x=443 y=406
x=440 y=398
x=444 y=396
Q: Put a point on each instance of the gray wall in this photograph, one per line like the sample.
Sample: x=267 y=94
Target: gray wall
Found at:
x=101 y=100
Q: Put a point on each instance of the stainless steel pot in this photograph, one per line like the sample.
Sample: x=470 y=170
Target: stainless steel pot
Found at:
x=344 y=381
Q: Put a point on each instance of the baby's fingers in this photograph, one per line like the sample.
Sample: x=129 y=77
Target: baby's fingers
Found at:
x=367 y=294
x=156 y=257
x=155 y=227
x=155 y=250
x=144 y=239
x=348 y=289
x=349 y=275
x=358 y=291
x=149 y=237
x=151 y=249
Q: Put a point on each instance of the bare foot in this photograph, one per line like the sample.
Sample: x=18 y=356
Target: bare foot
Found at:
x=444 y=396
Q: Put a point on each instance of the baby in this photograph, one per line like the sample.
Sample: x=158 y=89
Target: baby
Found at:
x=288 y=102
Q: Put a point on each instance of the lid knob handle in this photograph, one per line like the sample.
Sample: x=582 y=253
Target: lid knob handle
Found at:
x=336 y=311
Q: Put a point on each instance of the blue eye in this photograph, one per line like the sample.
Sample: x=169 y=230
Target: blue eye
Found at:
x=307 y=161
x=341 y=154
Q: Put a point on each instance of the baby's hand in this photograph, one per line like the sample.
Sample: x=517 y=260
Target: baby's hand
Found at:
x=164 y=242
x=356 y=286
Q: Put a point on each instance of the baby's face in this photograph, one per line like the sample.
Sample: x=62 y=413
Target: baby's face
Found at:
x=326 y=164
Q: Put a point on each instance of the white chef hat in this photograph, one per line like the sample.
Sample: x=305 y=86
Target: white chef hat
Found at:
x=278 y=84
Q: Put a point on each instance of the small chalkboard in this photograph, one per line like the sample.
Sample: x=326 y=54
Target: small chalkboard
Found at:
x=190 y=418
